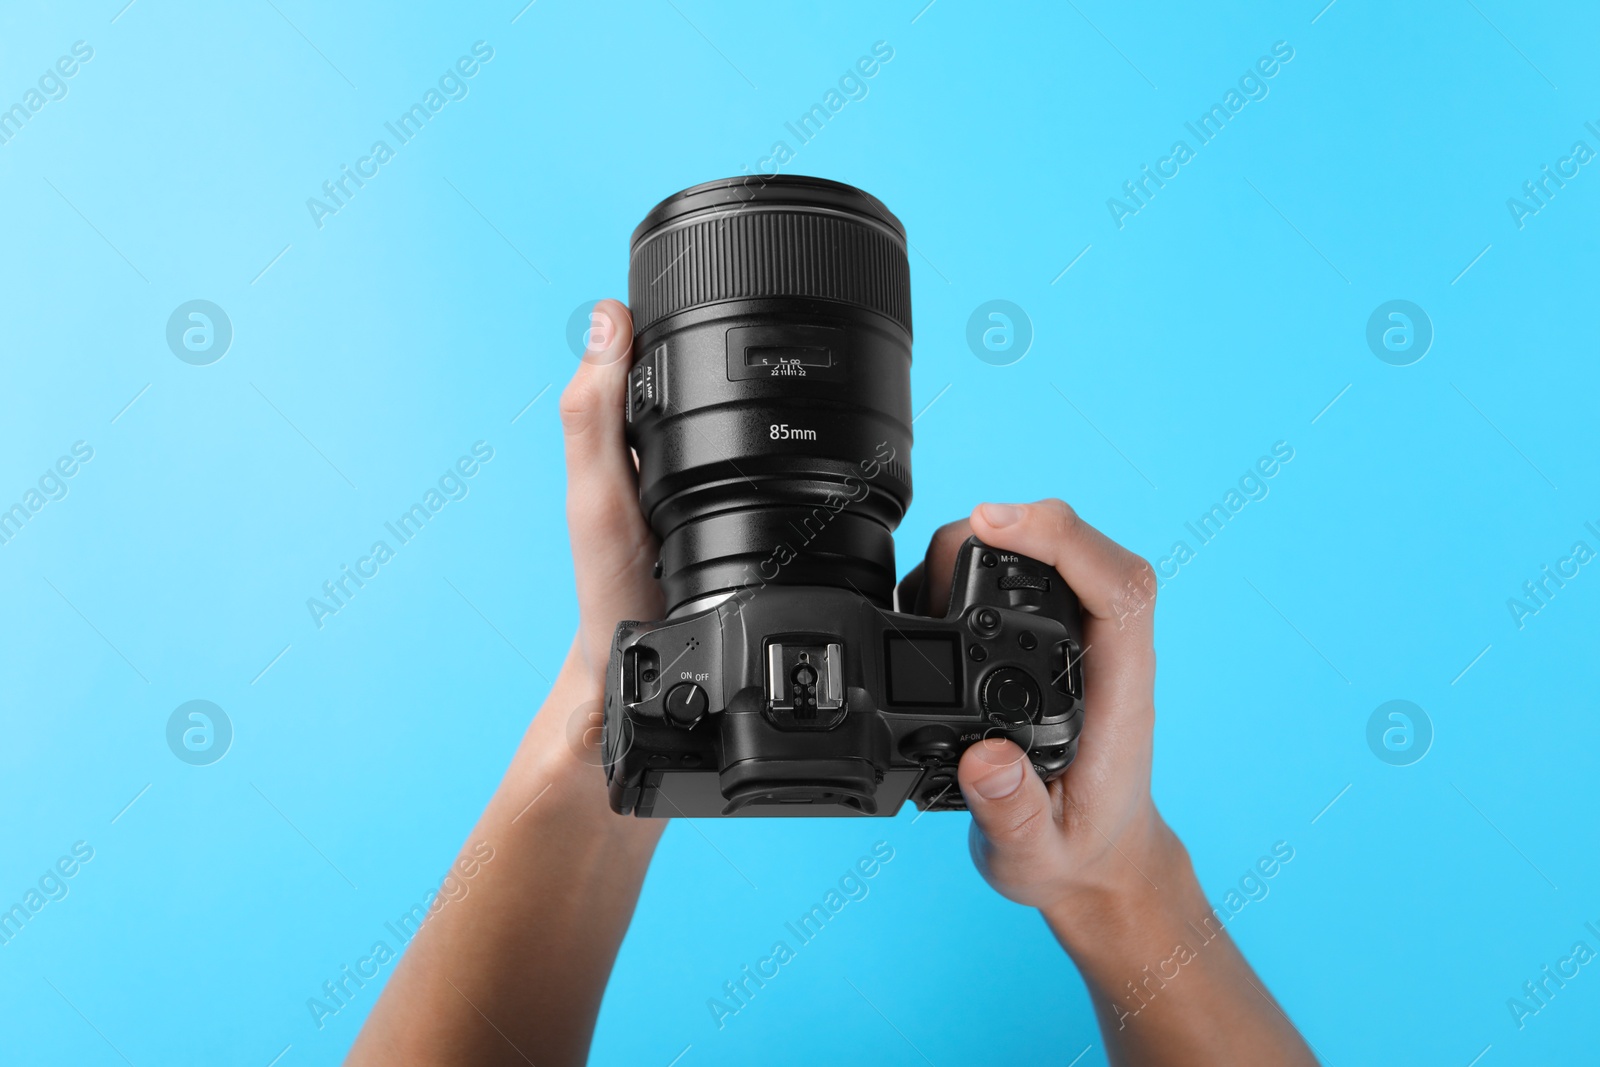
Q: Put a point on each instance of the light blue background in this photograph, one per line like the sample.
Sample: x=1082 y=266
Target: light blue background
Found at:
x=425 y=316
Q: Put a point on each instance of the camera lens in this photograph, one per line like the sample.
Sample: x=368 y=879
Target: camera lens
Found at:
x=769 y=399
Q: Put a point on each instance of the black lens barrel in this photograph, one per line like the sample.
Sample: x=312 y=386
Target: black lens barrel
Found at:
x=770 y=394
x=743 y=238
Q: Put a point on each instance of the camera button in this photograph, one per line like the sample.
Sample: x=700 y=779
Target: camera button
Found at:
x=1027 y=640
x=985 y=622
x=1013 y=696
x=1010 y=697
x=686 y=704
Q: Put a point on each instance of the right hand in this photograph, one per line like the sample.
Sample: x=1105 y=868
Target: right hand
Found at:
x=1095 y=830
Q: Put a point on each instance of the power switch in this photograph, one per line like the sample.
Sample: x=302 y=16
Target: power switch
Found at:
x=686 y=704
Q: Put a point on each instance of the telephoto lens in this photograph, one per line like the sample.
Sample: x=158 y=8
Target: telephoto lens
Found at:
x=772 y=324
x=769 y=404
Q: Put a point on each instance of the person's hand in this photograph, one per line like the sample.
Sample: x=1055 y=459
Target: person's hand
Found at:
x=1093 y=833
x=1089 y=850
x=613 y=550
x=520 y=960
x=613 y=554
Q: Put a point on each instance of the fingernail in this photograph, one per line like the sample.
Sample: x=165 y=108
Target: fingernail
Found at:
x=603 y=337
x=1000 y=784
x=1001 y=514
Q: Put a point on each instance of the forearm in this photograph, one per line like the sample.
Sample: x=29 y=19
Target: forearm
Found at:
x=1168 y=983
x=514 y=970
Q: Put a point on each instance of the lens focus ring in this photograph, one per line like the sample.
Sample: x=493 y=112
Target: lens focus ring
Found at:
x=742 y=239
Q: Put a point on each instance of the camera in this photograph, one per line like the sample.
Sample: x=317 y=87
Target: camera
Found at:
x=769 y=406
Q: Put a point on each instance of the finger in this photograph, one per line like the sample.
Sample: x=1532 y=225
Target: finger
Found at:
x=908 y=594
x=612 y=547
x=1011 y=808
x=938 y=568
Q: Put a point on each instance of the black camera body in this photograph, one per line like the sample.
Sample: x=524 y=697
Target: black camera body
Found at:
x=815 y=701
x=769 y=406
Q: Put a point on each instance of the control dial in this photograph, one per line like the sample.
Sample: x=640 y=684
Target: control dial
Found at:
x=1010 y=697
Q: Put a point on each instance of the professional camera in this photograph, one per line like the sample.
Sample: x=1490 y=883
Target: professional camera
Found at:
x=769 y=404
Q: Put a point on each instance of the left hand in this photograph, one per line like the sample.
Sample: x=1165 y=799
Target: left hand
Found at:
x=613 y=550
x=613 y=555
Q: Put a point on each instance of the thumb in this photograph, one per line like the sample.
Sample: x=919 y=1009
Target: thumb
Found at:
x=1012 y=817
